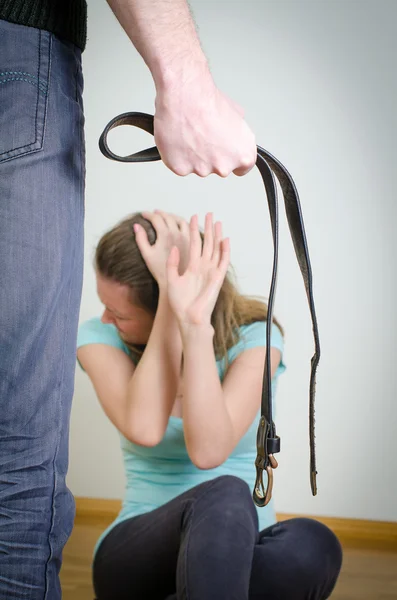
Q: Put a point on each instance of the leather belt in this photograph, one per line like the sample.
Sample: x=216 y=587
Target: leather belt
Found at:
x=268 y=442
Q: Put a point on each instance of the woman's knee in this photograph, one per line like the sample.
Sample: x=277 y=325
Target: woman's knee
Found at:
x=231 y=485
x=317 y=556
x=231 y=491
x=228 y=498
x=319 y=537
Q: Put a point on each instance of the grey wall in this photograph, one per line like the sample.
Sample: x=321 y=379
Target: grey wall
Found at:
x=317 y=80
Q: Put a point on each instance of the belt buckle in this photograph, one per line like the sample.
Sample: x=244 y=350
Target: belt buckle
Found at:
x=264 y=461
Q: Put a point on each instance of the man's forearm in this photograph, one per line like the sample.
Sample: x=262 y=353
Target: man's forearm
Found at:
x=153 y=386
x=164 y=34
x=197 y=129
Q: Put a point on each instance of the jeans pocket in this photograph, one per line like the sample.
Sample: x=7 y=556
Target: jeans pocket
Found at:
x=24 y=82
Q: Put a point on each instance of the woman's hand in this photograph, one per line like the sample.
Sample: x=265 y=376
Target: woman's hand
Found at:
x=170 y=231
x=192 y=295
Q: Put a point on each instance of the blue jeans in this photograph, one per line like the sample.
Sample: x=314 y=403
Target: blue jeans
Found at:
x=205 y=545
x=41 y=265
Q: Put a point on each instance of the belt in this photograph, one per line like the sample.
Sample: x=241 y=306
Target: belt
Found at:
x=268 y=442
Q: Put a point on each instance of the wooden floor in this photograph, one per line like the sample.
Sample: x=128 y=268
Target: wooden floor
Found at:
x=367 y=574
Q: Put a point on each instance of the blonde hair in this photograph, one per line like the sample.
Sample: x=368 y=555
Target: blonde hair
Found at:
x=118 y=258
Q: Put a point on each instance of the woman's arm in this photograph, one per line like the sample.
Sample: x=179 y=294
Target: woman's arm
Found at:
x=152 y=388
x=215 y=415
x=138 y=399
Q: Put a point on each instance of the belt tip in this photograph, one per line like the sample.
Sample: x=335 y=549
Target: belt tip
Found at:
x=313 y=482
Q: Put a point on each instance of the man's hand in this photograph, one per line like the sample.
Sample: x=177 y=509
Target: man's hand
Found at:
x=199 y=130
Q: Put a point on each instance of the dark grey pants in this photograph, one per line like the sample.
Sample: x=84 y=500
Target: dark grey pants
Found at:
x=205 y=545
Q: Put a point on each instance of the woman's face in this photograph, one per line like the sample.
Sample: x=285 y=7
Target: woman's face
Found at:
x=133 y=323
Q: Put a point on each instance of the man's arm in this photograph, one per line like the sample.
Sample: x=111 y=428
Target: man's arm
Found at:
x=197 y=128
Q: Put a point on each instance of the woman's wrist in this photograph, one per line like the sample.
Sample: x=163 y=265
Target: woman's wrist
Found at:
x=164 y=308
x=195 y=331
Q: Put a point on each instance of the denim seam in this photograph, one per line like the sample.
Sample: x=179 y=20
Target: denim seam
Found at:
x=38 y=75
x=2 y=74
x=48 y=88
x=23 y=76
x=82 y=133
x=46 y=570
x=42 y=90
x=19 y=148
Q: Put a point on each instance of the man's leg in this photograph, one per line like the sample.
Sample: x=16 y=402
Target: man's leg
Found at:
x=41 y=263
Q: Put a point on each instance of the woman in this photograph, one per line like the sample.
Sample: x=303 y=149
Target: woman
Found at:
x=177 y=364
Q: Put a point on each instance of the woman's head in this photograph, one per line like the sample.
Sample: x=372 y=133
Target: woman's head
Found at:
x=133 y=321
x=125 y=285
x=130 y=293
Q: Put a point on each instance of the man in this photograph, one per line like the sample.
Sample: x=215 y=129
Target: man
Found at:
x=197 y=130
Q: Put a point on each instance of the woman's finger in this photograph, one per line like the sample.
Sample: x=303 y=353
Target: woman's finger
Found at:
x=195 y=243
x=156 y=220
x=225 y=258
x=217 y=277
x=169 y=219
x=142 y=240
x=219 y=273
x=217 y=243
x=208 y=246
x=172 y=265
x=183 y=225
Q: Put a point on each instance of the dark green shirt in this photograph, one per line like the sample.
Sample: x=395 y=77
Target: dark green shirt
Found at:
x=67 y=19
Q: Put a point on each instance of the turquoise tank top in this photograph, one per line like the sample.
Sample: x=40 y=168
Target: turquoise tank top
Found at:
x=158 y=474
